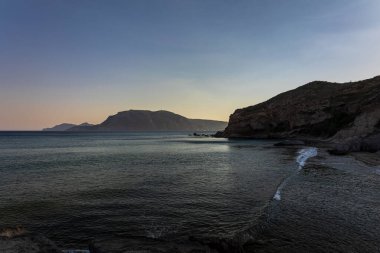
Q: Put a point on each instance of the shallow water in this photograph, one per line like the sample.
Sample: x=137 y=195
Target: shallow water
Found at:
x=331 y=205
x=303 y=155
x=74 y=187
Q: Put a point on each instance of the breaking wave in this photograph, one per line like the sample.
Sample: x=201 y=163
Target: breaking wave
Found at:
x=301 y=159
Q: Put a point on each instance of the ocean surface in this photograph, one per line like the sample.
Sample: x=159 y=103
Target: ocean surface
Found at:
x=79 y=187
x=75 y=187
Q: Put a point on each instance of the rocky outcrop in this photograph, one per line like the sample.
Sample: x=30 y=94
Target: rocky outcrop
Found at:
x=16 y=240
x=337 y=112
x=370 y=143
x=143 y=120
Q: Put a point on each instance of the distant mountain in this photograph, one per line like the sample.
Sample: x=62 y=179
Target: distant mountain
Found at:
x=65 y=127
x=85 y=124
x=143 y=120
x=60 y=127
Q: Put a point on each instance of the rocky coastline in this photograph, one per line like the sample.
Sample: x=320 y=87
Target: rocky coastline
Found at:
x=344 y=115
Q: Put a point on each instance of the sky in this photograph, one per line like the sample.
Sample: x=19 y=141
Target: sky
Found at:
x=80 y=61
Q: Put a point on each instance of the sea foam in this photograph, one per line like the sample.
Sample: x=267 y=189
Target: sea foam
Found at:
x=301 y=159
x=305 y=154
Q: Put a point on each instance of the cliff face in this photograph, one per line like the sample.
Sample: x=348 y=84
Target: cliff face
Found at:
x=334 y=111
x=142 y=120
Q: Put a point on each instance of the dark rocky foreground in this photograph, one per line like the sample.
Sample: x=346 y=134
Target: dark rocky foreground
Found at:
x=18 y=240
x=345 y=114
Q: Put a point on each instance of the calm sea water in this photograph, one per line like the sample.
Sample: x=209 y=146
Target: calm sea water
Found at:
x=74 y=187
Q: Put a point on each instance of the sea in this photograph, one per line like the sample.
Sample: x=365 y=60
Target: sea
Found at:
x=76 y=187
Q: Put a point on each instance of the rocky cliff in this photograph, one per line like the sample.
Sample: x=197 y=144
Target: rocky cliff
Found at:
x=338 y=112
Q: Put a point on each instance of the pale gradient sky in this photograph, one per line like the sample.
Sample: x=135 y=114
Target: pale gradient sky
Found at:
x=82 y=60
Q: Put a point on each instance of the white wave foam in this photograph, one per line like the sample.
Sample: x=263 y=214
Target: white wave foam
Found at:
x=301 y=159
x=305 y=154
x=277 y=195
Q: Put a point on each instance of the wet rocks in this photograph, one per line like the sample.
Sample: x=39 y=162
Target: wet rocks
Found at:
x=16 y=240
x=201 y=135
x=367 y=144
x=218 y=134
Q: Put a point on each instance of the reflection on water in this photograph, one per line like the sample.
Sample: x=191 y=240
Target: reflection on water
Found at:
x=77 y=186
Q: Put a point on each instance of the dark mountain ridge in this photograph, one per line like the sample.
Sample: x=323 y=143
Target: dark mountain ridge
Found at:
x=60 y=127
x=144 y=120
x=65 y=126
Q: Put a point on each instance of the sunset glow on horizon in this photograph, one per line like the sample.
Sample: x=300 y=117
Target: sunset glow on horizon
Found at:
x=81 y=61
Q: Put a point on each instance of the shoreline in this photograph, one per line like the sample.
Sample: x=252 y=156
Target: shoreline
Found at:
x=318 y=216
